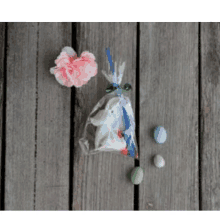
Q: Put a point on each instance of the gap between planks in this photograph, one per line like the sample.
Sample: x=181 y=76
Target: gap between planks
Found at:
x=3 y=122
x=137 y=113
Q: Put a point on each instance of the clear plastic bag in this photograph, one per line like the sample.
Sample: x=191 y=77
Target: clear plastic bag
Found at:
x=111 y=125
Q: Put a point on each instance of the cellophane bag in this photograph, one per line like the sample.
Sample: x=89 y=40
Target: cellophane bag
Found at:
x=110 y=127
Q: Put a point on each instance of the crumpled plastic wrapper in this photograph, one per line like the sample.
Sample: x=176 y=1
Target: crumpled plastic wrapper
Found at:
x=110 y=127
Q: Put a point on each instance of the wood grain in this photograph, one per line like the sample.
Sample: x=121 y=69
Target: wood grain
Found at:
x=210 y=114
x=53 y=122
x=20 y=116
x=2 y=78
x=169 y=97
x=101 y=181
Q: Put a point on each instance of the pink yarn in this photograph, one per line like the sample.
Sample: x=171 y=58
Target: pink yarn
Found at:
x=71 y=70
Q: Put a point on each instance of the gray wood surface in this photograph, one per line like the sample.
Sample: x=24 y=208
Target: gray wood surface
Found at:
x=20 y=116
x=38 y=119
x=53 y=121
x=100 y=182
x=210 y=114
x=37 y=157
x=2 y=77
x=169 y=97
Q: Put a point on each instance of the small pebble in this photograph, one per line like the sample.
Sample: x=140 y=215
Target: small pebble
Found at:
x=160 y=134
x=159 y=161
x=137 y=175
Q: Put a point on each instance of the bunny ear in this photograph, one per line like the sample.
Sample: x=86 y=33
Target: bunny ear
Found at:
x=101 y=136
x=99 y=118
x=112 y=102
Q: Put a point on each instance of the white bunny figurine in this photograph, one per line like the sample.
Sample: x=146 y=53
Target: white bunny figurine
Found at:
x=109 y=122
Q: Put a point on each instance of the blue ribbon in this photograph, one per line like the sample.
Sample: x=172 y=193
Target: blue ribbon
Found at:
x=110 y=60
x=128 y=138
x=107 y=50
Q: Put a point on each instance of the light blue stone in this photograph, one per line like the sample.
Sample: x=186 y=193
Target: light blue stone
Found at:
x=160 y=134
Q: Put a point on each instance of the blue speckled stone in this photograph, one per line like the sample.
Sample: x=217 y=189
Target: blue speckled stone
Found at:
x=160 y=134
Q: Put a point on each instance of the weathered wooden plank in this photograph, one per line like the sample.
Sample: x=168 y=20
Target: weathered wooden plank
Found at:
x=20 y=116
x=100 y=181
x=53 y=122
x=169 y=97
x=2 y=78
x=210 y=112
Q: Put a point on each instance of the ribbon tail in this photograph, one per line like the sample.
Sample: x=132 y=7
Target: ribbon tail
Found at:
x=110 y=60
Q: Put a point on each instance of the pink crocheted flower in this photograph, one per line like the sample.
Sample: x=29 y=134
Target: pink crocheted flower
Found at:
x=73 y=71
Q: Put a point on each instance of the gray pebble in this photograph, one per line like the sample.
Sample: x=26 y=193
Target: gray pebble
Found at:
x=137 y=175
x=159 y=161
